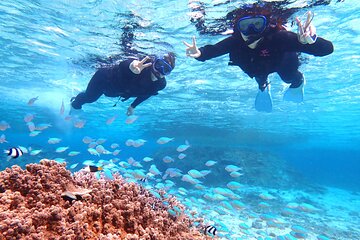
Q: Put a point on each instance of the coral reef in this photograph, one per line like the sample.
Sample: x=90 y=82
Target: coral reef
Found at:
x=46 y=202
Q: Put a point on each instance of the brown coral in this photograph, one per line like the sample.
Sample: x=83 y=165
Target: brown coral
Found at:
x=32 y=207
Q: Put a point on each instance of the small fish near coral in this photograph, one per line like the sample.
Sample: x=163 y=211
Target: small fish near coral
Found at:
x=13 y=153
x=92 y=168
x=210 y=230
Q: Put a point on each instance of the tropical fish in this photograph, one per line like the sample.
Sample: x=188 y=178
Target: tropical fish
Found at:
x=164 y=140
x=116 y=152
x=182 y=191
x=101 y=140
x=234 y=185
x=61 y=149
x=59 y=160
x=236 y=174
x=114 y=145
x=24 y=149
x=199 y=186
x=153 y=169
x=88 y=162
x=87 y=140
x=34 y=133
x=238 y=205
x=266 y=196
x=93 y=152
x=3 y=139
x=108 y=174
x=92 y=168
x=73 y=153
x=129 y=142
x=210 y=163
x=35 y=152
x=79 y=123
x=205 y=172
x=195 y=173
x=43 y=126
x=100 y=149
x=131 y=119
x=210 y=230
x=173 y=172
x=32 y=100
x=131 y=160
x=147 y=159
x=54 y=140
x=4 y=125
x=183 y=147
x=13 y=153
x=181 y=156
x=168 y=159
x=62 y=108
x=139 y=174
x=139 y=142
x=92 y=144
x=74 y=165
x=137 y=164
x=189 y=179
x=111 y=120
x=232 y=168
x=28 y=117
x=31 y=126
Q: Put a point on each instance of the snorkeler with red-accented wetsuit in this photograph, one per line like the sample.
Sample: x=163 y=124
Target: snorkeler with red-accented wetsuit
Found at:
x=260 y=46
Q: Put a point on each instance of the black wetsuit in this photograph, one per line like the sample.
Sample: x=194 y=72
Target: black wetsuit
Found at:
x=120 y=81
x=276 y=52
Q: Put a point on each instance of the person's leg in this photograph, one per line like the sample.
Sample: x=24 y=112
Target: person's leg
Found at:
x=288 y=70
x=93 y=91
x=262 y=81
x=289 y=73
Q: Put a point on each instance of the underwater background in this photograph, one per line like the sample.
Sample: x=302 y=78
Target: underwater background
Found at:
x=51 y=50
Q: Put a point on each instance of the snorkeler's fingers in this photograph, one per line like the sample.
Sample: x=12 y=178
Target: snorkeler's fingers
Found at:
x=300 y=27
x=194 y=41
x=187 y=44
x=147 y=65
x=145 y=59
x=308 y=20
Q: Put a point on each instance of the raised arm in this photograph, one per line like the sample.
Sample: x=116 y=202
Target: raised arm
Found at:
x=210 y=51
x=306 y=39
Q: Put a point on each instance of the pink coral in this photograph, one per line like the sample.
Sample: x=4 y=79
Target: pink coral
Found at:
x=32 y=207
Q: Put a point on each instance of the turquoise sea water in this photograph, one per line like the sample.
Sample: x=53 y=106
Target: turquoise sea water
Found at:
x=51 y=49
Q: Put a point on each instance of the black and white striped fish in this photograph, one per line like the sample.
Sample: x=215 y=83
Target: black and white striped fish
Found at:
x=210 y=230
x=13 y=153
x=143 y=179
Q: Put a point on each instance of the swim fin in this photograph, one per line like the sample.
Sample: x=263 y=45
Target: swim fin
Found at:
x=263 y=101
x=295 y=94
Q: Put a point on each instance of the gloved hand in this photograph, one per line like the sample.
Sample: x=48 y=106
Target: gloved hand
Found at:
x=192 y=50
x=130 y=111
x=137 y=66
x=306 y=32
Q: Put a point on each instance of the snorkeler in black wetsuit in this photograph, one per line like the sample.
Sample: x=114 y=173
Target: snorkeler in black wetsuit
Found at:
x=130 y=78
x=260 y=47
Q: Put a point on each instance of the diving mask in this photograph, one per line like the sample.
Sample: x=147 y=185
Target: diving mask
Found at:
x=251 y=25
x=162 y=66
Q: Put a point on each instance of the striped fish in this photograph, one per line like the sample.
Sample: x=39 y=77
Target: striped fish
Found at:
x=210 y=230
x=13 y=153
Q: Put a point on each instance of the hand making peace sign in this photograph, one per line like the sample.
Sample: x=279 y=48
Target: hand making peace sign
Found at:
x=137 y=66
x=306 y=32
x=192 y=50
